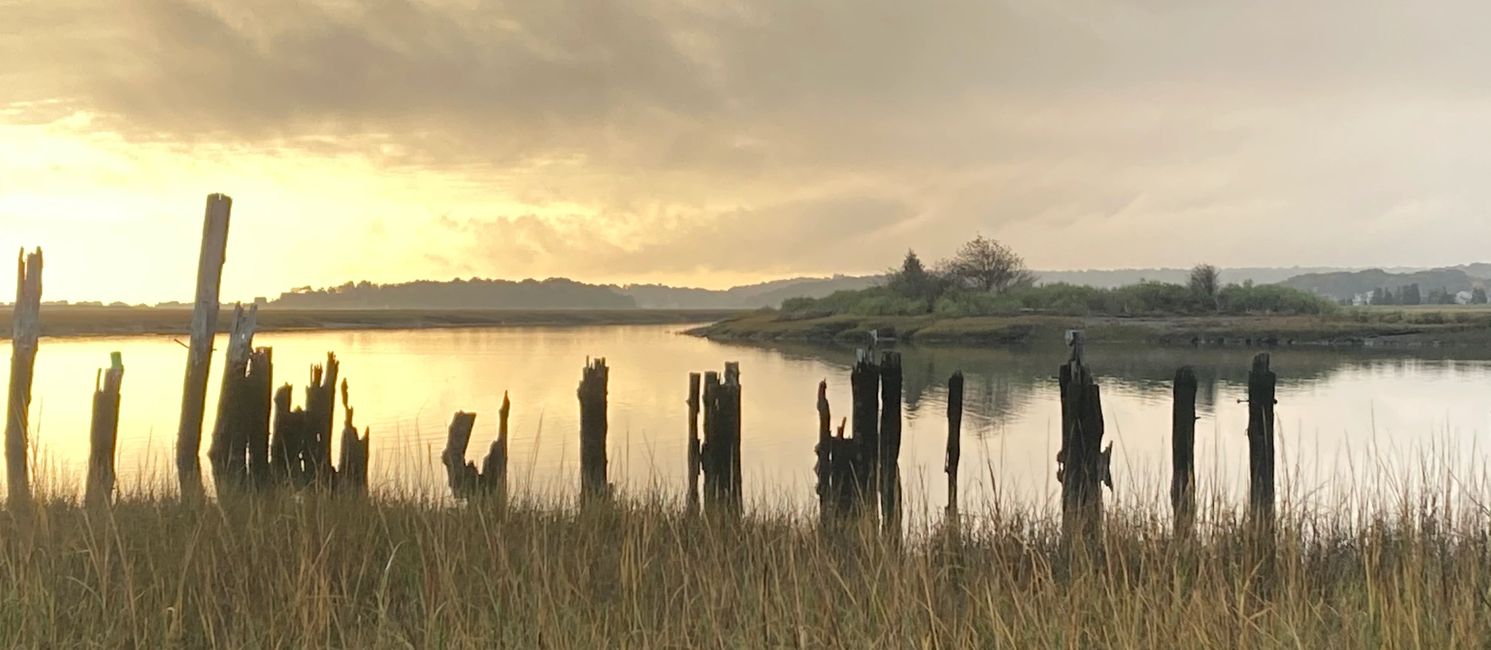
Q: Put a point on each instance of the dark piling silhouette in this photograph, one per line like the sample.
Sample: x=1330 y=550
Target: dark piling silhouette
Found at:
x=103 y=435
x=594 y=429
x=1183 y=454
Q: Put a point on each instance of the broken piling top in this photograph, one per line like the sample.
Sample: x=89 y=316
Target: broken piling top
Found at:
x=459 y=438
x=26 y=317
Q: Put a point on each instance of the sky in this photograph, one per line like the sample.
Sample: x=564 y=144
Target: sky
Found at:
x=719 y=143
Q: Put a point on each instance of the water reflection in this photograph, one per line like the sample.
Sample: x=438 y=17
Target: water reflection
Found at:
x=1349 y=420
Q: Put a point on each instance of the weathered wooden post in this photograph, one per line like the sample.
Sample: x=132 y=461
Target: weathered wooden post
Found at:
x=228 y=449
x=494 y=467
x=730 y=407
x=104 y=433
x=259 y=396
x=720 y=452
x=890 y=441
x=1085 y=464
x=352 y=467
x=320 y=408
x=594 y=429
x=25 y=339
x=695 y=445
x=825 y=454
x=290 y=446
x=199 y=356
x=1261 y=401
x=462 y=476
x=1183 y=482
x=954 y=440
x=865 y=384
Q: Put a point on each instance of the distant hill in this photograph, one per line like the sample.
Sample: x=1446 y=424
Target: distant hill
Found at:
x=753 y=296
x=1113 y=278
x=1351 y=284
x=560 y=293
x=554 y=293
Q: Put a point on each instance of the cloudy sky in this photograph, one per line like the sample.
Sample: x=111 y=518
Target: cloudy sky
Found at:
x=714 y=143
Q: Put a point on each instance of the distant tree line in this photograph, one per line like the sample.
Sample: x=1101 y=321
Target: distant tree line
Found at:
x=1411 y=295
x=554 y=293
x=985 y=277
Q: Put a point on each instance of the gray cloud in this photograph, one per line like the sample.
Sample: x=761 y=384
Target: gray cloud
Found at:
x=788 y=135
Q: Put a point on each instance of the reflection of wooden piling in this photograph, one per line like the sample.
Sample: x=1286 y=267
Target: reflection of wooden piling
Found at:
x=1261 y=401
x=954 y=440
x=227 y=452
x=890 y=441
x=352 y=466
x=1183 y=444
x=25 y=339
x=462 y=476
x=696 y=447
x=104 y=434
x=594 y=429
x=1085 y=464
x=199 y=356
x=494 y=467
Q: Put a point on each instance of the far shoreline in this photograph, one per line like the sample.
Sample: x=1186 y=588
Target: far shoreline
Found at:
x=69 y=321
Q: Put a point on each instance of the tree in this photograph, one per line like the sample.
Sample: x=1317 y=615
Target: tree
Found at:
x=912 y=280
x=1206 y=281
x=1477 y=296
x=990 y=266
x=1381 y=296
x=1411 y=295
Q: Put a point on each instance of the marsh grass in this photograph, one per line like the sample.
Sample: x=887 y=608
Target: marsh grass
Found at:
x=402 y=570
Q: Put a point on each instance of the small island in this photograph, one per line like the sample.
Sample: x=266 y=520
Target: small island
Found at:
x=985 y=295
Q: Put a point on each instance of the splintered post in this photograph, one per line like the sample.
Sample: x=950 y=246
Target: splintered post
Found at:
x=25 y=338
x=1261 y=401
x=199 y=356
x=594 y=429
x=104 y=434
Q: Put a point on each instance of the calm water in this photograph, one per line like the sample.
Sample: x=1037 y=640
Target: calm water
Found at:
x=1348 y=422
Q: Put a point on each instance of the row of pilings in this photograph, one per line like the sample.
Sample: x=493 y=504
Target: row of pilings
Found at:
x=262 y=440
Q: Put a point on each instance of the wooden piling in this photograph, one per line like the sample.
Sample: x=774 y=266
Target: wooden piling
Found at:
x=696 y=447
x=1261 y=401
x=890 y=441
x=1183 y=447
x=290 y=446
x=865 y=386
x=494 y=467
x=259 y=398
x=730 y=407
x=954 y=440
x=103 y=436
x=461 y=475
x=1085 y=464
x=199 y=356
x=824 y=451
x=25 y=339
x=228 y=450
x=320 y=408
x=594 y=429
x=720 y=452
x=352 y=465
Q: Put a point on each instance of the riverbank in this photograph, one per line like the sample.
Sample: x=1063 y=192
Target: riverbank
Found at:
x=67 y=321
x=1351 y=328
x=313 y=571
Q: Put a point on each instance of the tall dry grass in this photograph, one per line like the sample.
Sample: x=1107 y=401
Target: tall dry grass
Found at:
x=403 y=571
